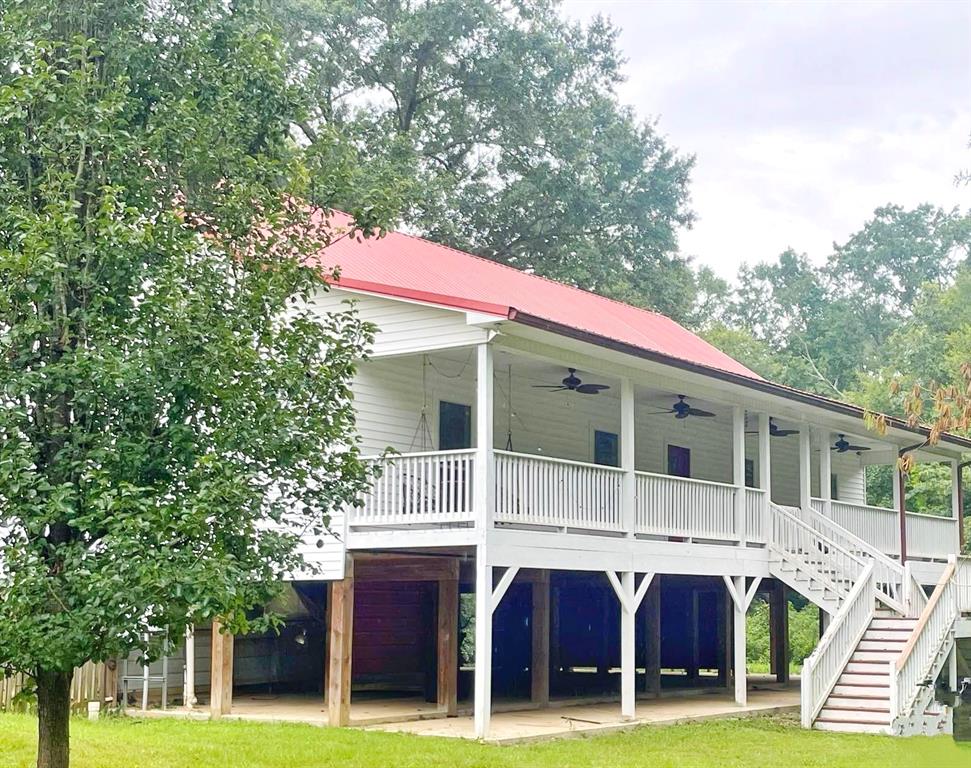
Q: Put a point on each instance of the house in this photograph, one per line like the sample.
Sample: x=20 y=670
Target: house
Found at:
x=605 y=493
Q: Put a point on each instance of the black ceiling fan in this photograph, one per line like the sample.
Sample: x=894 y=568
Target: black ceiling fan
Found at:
x=775 y=430
x=572 y=383
x=682 y=410
x=843 y=445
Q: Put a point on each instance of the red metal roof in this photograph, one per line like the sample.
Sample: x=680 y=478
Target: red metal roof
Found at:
x=410 y=267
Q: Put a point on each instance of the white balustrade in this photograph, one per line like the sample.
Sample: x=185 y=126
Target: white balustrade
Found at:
x=430 y=487
x=928 y=536
x=962 y=578
x=826 y=663
x=685 y=507
x=931 y=536
x=538 y=490
x=756 y=515
x=913 y=672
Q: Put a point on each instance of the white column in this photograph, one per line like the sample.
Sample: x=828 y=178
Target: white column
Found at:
x=805 y=466
x=825 y=473
x=189 y=690
x=956 y=503
x=628 y=492
x=627 y=670
x=765 y=471
x=483 y=643
x=738 y=471
x=484 y=486
x=741 y=680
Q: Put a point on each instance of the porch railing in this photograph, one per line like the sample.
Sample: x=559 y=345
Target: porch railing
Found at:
x=928 y=536
x=756 y=515
x=431 y=487
x=538 y=490
x=962 y=580
x=684 y=507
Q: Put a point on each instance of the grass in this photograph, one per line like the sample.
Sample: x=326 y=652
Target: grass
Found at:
x=757 y=742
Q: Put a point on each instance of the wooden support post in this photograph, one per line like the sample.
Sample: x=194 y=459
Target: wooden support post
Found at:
x=805 y=467
x=741 y=680
x=484 y=485
x=189 y=684
x=779 y=632
x=539 y=668
x=221 y=674
x=628 y=480
x=826 y=472
x=765 y=472
x=483 y=644
x=555 y=657
x=340 y=643
x=725 y=629
x=448 y=645
x=693 y=671
x=652 y=622
x=738 y=472
x=956 y=506
x=627 y=634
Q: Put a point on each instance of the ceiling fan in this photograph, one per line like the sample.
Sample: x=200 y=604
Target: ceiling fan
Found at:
x=775 y=430
x=572 y=383
x=843 y=445
x=682 y=410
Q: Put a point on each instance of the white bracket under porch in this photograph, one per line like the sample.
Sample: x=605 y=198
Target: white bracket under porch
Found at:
x=742 y=600
x=630 y=600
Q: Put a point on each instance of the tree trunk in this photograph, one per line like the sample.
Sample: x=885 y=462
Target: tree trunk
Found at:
x=53 y=718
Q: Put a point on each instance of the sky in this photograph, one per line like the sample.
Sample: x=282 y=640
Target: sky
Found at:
x=803 y=116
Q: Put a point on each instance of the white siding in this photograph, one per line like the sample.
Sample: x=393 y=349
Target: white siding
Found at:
x=404 y=327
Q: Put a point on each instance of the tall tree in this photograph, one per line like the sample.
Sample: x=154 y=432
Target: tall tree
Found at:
x=173 y=416
x=506 y=118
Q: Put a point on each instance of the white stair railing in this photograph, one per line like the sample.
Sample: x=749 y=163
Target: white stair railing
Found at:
x=912 y=675
x=962 y=577
x=822 y=669
x=891 y=580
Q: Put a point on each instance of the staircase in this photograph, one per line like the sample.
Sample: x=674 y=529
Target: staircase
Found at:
x=875 y=666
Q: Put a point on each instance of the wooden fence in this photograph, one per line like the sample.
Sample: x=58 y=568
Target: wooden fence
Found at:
x=87 y=685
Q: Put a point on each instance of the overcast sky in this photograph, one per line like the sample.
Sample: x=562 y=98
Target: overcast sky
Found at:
x=804 y=116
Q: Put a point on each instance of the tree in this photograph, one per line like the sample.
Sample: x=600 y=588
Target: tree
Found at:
x=173 y=417
x=505 y=116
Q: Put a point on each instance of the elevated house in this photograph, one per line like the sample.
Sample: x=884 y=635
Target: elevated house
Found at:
x=589 y=497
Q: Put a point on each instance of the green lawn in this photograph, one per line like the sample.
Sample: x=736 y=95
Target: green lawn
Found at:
x=761 y=743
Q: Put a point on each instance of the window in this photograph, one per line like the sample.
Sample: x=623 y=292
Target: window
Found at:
x=454 y=426
x=833 y=488
x=679 y=461
x=605 y=448
x=749 y=473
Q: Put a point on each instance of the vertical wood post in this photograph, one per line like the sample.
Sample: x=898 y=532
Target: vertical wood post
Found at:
x=805 y=467
x=652 y=622
x=483 y=643
x=189 y=688
x=554 y=633
x=738 y=472
x=765 y=470
x=826 y=473
x=221 y=673
x=484 y=487
x=340 y=646
x=779 y=632
x=627 y=455
x=956 y=511
x=448 y=645
x=539 y=668
x=627 y=637
x=693 y=672
x=726 y=627
x=900 y=499
x=741 y=680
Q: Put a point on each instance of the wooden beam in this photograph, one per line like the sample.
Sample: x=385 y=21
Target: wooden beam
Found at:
x=221 y=674
x=448 y=645
x=779 y=632
x=502 y=587
x=540 y=637
x=628 y=670
x=386 y=568
x=741 y=680
x=482 y=711
x=652 y=621
x=341 y=640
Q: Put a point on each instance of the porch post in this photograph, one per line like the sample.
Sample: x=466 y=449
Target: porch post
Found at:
x=221 y=673
x=779 y=632
x=765 y=466
x=539 y=667
x=483 y=643
x=738 y=472
x=741 y=680
x=826 y=473
x=189 y=688
x=805 y=467
x=628 y=491
x=484 y=487
x=448 y=645
x=900 y=504
x=652 y=620
x=340 y=638
x=956 y=511
x=627 y=670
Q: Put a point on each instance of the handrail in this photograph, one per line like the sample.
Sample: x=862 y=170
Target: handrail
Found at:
x=925 y=616
x=871 y=550
x=694 y=480
x=556 y=460
x=418 y=454
x=825 y=539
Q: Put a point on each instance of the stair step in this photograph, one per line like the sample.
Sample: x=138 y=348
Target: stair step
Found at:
x=888 y=646
x=844 y=727
x=891 y=635
x=866 y=691
x=834 y=715
x=872 y=668
x=860 y=703
x=858 y=678
x=885 y=656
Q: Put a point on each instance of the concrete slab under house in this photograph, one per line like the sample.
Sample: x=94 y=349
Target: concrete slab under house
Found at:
x=583 y=502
